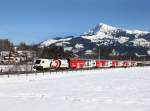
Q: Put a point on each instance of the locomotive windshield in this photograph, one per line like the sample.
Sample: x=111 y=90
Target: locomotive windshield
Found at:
x=37 y=61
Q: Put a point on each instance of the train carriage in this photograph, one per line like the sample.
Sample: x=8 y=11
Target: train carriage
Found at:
x=115 y=63
x=59 y=64
x=103 y=63
x=134 y=63
x=126 y=63
x=77 y=63
x=90 y=63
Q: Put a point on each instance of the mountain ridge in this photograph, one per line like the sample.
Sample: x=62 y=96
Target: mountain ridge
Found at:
x=103 y=35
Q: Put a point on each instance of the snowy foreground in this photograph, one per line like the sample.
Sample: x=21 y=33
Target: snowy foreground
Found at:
x=124 y=89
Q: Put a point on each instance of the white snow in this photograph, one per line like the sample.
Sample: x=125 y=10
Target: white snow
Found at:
x=123 y=39
x=62 y=43
x=98 y=38
x=52 y=41
x=101 y=31
x=48 y=42
x=148 y=52
x=124 y=89
x=88 y=52
x=141 y=42
x=101 y=27
x=105 y=28
x=68 y=48
x=79 y=46
x=108 y=28
x=137 y=32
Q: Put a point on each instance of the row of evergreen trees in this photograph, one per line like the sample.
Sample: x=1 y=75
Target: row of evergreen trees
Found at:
x=58 y=52
x=103 y=53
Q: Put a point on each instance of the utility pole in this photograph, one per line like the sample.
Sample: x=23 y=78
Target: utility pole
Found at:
x=99 y=55
x=144 y=59
x=99 y=52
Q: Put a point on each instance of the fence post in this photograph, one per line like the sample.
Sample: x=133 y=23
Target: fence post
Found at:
x=43 y=72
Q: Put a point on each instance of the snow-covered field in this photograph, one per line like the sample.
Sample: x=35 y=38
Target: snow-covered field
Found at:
x=124 y=89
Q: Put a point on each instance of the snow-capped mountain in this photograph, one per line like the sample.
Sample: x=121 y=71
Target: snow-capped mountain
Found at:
x=103 y=35
x=101 y=27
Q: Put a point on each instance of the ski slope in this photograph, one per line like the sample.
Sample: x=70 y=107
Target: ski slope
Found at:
x=123 y=89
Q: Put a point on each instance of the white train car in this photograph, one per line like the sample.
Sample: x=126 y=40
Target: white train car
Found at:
x=42 y=64
x=59 y=64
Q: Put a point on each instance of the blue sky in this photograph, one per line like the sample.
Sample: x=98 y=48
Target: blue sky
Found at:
x=34 y=21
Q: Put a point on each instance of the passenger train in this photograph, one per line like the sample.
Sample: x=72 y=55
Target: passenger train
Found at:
x=76 y=63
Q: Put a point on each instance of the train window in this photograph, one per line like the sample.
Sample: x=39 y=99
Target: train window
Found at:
x=37 y=61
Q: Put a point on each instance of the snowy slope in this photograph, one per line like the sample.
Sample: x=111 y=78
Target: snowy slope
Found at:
x=53 y=41
x=124 y=89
